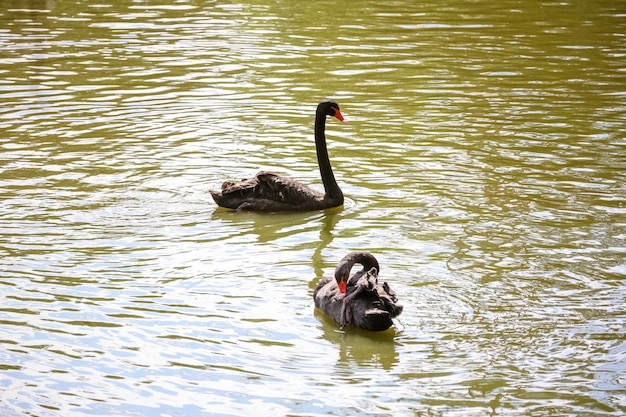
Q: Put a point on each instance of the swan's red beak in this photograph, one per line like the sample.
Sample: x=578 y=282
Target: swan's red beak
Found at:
x=339 y=116
x=342 y=286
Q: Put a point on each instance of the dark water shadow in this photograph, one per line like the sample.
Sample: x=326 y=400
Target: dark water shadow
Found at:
x=360 y=346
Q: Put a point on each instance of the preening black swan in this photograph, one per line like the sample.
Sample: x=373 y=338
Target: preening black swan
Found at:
x=268 y=191
x=357 y=299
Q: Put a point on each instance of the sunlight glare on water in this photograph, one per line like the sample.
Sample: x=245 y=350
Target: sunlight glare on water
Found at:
x=482 y=163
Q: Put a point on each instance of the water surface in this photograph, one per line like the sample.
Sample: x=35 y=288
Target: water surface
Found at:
x=483 y=165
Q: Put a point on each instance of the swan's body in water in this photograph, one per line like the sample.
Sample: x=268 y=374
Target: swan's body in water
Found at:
x=357 y=299
x=268 y=191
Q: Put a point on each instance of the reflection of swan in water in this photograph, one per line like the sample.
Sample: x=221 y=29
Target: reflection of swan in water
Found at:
x=267 y=228
x=361 y=346
x=270 y=192
x=357 y=299
x=329 y=221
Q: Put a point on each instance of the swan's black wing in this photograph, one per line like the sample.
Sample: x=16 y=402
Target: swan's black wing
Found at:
x=367 y=303
x=267 y=191
x=372 y=308
x=328 y=298
x=285 y=189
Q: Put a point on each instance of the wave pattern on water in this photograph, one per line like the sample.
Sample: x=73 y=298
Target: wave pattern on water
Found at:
x=482 y=164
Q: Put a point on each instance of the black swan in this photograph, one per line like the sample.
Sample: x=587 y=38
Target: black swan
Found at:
x=271 y=192
x=357 y=299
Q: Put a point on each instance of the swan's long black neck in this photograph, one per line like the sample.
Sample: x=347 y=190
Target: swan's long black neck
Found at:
x=331 y=188
x=347 y=262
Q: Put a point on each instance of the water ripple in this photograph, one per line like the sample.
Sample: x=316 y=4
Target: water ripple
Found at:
x=481 y=165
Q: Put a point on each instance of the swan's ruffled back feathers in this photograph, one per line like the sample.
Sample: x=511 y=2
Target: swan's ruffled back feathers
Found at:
x=267 y=191
x=286 y=189
x=372 y=309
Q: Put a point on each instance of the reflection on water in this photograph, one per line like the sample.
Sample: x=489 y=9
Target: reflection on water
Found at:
x=482 y=164
x=363 y=347
x=328 y=223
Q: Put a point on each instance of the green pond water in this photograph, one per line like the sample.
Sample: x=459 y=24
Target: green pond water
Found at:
x=483 y=163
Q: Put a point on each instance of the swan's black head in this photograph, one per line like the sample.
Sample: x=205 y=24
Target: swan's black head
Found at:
x=330 y=108
x=342 y=271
